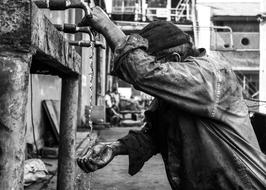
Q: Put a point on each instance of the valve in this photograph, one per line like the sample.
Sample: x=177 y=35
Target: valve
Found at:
x=64 y=4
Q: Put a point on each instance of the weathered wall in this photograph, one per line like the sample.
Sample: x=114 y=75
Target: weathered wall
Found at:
x=14 y=72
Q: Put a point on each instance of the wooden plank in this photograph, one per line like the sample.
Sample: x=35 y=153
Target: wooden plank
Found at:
x=53 y=116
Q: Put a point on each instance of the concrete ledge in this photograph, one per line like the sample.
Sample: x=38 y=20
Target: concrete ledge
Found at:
x=24 y=28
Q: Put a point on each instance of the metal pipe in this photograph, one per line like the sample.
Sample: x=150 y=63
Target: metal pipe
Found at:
x=68 y=126
x=63 y=5
x=82 y=43
x=86 y=43
x=73 y=28
x=195 y=24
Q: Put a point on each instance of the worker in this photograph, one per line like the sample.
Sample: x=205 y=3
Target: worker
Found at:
x=115 y=97
x=198 y=120
x=112 y=115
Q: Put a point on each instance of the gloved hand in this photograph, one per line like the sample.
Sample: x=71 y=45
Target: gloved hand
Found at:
x=97 y=157
x=98 y=20
x=101 y=23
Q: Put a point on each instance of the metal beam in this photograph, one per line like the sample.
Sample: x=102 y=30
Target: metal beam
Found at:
x=68 y=125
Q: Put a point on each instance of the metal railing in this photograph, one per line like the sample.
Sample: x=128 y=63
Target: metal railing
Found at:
x=182 y=11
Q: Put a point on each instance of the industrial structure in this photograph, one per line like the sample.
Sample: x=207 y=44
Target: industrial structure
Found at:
x=45 y=56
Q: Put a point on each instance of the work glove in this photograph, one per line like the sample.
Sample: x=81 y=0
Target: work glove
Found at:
x=98 y=20
x=96 y=157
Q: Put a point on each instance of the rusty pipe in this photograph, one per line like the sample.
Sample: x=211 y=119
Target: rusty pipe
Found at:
x=86 y=43
x=73 y=28
x=63 y=5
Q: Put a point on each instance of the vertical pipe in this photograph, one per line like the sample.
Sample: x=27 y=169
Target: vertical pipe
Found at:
x=14 y=77
x=68 y=125
x=188 y=11
x=98 y=74
x=244 y=82
x=80 y=102
x=168 y=7
x=144 y=7
x=94 y=76
x=101 y=72
x=103 y=65
x=195 y=22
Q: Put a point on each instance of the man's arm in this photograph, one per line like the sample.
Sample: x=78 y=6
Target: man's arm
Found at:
x=187 y=85
x=201 y=86
x=138 y=145
x=102 y=24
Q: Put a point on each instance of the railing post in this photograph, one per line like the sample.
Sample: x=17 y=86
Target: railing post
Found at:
x=14 y=77
x=68 y=125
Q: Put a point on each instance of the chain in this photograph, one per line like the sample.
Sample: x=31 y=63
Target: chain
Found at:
x=91 y=85
x=90 y=104
x=83 y=181
x=87 y=177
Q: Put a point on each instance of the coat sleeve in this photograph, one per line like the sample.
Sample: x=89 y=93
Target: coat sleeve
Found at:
x=141 y=144
x=188 y=85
